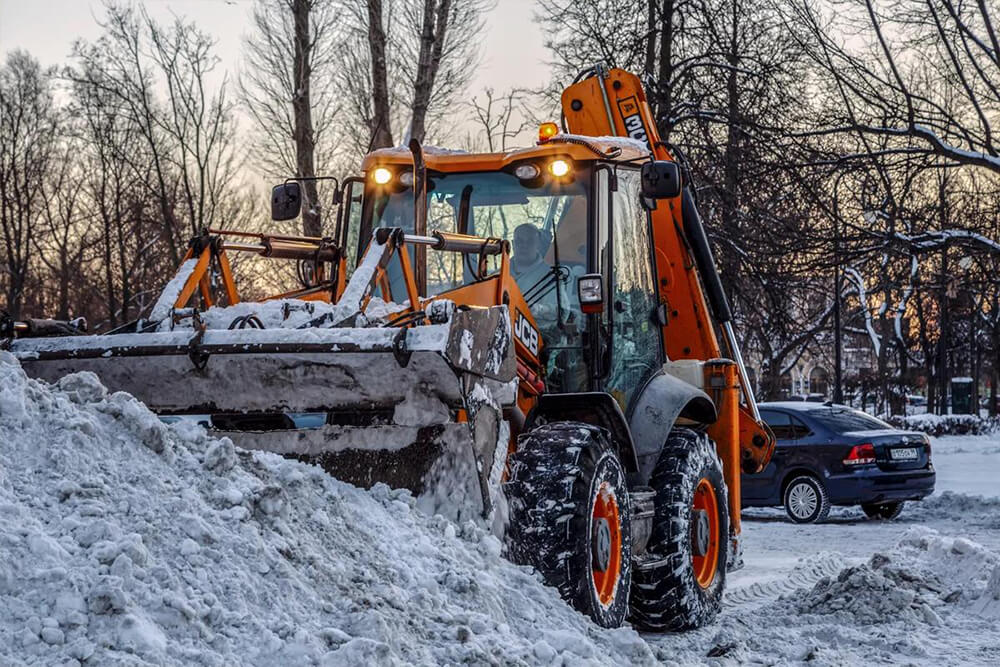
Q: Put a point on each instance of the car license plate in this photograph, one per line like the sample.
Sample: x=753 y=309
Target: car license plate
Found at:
x=903 y=453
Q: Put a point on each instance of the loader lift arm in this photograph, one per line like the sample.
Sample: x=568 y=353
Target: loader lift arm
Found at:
x=211 y=246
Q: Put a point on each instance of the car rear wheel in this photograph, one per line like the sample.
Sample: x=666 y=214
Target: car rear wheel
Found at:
x=806 y=500
x=885 y=511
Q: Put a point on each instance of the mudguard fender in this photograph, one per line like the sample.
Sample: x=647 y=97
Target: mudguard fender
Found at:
x=662 y=401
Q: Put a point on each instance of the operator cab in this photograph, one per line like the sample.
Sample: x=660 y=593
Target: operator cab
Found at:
x=558 y=214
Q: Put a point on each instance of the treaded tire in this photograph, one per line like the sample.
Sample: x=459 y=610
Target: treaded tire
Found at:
x=802 y=485
x=555 y=476
x=884 y=511
x=666 y=595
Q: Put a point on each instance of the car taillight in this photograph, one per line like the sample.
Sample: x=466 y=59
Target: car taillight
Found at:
x=860 y=455
x=927 y=443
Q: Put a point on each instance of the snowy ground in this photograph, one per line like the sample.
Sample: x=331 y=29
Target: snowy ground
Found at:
x=788 y=606
x=124 y=541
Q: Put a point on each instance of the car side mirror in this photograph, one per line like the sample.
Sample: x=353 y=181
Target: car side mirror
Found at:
x=661 y=179
x=286 y=201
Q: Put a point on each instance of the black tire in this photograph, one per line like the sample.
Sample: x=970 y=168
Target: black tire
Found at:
x=806 y=500
x=555 y=477
x=666 y=593
x=884 y=511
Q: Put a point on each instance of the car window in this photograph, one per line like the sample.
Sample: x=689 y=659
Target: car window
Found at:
x=798 y=429
x=842 y=420
x=780 y=423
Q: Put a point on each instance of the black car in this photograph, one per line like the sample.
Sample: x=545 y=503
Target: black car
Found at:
x=835 y=455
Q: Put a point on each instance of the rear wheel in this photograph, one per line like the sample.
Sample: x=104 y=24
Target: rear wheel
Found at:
x=806 y=500
x=679 y=581
x=885 y=511
x=570 y=519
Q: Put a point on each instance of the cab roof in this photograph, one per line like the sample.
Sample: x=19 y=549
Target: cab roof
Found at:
x=576 y=147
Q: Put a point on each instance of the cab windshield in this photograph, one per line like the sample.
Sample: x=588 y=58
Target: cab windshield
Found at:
x=545 y=221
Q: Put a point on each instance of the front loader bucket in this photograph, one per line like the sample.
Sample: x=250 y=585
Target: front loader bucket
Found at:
x=419 y=407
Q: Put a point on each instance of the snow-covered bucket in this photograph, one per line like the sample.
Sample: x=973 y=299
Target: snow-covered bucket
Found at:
x=393 y=404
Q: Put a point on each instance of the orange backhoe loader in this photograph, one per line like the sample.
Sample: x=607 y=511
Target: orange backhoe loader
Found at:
x=534 y=335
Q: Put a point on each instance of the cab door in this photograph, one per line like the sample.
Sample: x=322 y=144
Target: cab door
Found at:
x=636 y=344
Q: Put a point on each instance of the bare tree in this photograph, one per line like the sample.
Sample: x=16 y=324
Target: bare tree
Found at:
x=160 y=147
x=500 y=117
x=927 y=71
x=406 y=63
x=288 y=88
x=28 y=126
x=65 y=237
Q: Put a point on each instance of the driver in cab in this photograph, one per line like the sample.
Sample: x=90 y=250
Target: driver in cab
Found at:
x=535 y=276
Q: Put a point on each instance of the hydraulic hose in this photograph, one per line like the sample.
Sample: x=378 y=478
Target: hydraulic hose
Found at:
x=703 y=259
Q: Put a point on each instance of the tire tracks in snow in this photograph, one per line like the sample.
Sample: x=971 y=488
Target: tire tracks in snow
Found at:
x=805 y=574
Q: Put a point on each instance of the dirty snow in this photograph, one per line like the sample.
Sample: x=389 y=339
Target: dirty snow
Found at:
x=920 y=590
x=125 y=541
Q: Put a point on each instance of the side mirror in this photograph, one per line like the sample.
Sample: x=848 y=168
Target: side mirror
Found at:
x=286 y=201
x=590 y=289
x=661 y=179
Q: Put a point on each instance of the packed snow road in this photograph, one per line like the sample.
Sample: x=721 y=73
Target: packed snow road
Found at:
x=124 y=541
x=923 y=589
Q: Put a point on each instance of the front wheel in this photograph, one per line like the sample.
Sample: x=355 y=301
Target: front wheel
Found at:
x=570 y=517
x=678 y=583
x=885 y=511
x=806 y=500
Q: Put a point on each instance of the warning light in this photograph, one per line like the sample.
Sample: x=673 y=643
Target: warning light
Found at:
x=382 y=176
x=546 y=131
x=559 y=168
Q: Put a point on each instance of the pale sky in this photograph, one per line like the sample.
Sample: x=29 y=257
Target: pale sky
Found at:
x=512 y=51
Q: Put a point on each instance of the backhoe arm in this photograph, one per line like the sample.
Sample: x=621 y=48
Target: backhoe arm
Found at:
x=613 y=103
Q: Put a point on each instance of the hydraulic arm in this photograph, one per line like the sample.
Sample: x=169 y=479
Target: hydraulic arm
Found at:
x=613 y=103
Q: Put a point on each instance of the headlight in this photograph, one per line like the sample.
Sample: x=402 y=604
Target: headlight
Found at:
x=406 y=178
x=559 y=168
x=526 y=171
x=382 y=176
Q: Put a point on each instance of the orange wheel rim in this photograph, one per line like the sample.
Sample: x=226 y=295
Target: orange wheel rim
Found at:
x=606 y=507
x=705 y=565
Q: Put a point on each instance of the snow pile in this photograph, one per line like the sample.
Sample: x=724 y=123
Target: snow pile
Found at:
x=939 y=425
x=975 y=510
x=875 y=591
x=925 y=576
x=123 y=540
x=970 y=568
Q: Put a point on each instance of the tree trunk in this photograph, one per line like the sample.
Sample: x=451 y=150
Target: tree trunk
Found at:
x=305 y=139
x=650 y=41
x=994 y=377
x=432 y=38
x=381 y=130
x=664 y=101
